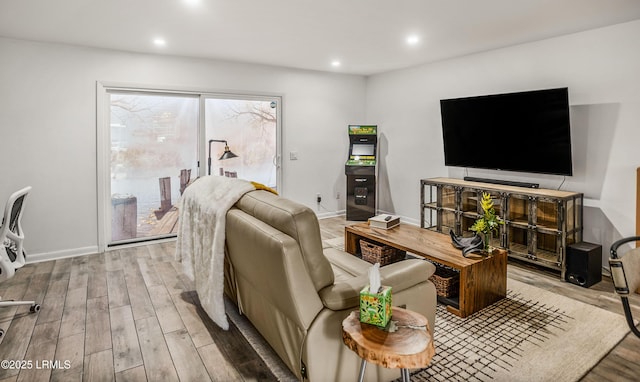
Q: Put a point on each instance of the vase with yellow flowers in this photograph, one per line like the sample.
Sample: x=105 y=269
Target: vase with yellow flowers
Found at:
x=489 y=222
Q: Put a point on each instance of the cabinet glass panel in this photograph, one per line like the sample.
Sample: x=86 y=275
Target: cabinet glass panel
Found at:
x=466 y=221
x=447 y=221
x=518 y=207
x=517 y=239
x=429 y=195
x=547 y=214
x=448 y=197
x=470 y=201
x=429 y=218
x=497 y=203
x=548 y=246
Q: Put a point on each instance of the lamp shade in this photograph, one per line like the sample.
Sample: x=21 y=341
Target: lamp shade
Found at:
x=227 y=154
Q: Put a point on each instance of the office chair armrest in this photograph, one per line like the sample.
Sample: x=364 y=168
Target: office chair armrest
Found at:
x=614 y=246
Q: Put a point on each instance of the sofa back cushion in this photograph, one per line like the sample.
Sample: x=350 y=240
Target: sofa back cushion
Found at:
x=297 y=221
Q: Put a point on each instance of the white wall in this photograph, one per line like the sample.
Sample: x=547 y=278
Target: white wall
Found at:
x=601 y=70
x=48 y=128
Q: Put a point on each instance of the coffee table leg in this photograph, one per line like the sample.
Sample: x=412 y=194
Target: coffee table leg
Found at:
x=363 y=365
x=406 y=377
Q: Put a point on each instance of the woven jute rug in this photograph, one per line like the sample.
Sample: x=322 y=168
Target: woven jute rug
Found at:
x=532 y=335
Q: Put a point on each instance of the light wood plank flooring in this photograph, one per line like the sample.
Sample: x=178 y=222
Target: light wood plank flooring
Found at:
x=127 y=315
x=131 y=315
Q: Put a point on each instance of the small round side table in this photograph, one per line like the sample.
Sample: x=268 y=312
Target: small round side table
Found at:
x=409 y=347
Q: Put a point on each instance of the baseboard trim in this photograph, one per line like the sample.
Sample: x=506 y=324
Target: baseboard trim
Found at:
x=46 y=256
x=330 y=214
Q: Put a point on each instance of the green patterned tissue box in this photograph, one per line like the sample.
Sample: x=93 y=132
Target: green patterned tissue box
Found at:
x=375 y=308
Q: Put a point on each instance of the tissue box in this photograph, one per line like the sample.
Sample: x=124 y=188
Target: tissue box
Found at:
x=375 y=308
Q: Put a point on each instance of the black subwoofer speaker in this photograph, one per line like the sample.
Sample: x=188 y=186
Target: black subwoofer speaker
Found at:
x=584 y=264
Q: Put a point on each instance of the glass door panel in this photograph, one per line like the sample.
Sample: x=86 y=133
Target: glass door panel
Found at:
x=154 y=153
x=248 y=129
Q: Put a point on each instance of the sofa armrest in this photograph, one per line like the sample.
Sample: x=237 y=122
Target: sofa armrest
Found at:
x=399 y=276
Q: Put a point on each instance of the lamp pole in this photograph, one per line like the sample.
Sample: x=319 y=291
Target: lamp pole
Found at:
x=209 y=158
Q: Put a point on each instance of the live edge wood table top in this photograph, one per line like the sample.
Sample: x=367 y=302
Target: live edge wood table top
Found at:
x=483 y=279
x=409 y=347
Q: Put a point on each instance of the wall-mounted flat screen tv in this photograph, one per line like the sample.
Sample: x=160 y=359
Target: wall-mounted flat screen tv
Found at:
x=525 y=132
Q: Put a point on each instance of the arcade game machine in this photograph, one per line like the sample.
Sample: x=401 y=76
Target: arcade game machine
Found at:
x=361 y=172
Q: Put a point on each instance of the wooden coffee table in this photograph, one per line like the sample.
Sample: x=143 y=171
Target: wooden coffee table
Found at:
x=483 y=280
x=409 y=347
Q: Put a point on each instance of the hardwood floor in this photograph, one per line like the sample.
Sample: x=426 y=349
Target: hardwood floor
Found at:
x=127 y=315
x=131 y=315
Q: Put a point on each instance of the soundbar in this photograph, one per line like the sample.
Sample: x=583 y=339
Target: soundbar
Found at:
x=502 y=182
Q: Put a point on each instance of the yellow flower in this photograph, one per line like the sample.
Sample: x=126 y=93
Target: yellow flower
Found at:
x=488 y=222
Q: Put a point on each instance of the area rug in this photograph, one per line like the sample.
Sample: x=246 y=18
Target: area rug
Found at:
x=532 y=335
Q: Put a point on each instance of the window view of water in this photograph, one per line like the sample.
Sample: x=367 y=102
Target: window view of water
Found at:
x=152 y=137
x=155 y=136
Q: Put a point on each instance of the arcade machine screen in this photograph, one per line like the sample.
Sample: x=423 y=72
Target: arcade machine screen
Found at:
x=362 y=150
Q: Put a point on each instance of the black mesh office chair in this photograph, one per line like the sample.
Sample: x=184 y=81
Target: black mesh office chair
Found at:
x=625 y=271
x=12 y=254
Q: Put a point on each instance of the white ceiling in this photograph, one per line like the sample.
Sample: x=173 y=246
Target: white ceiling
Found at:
x=367 y=36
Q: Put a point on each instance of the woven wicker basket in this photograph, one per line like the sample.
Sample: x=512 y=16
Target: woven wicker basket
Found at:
x=380 y=253
x=446 y=281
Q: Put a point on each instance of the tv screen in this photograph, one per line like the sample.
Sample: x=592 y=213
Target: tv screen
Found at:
x=525 y=131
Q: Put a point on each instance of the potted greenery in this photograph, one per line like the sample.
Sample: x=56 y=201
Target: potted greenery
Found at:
x=489 y=222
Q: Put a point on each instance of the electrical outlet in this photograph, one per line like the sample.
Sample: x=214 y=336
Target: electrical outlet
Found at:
x=337 y=194
x=318 y=198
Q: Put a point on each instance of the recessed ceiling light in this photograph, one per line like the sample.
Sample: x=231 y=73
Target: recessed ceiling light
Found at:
x=192 y=3
x=159 y=42
x=335 y=63
x=413 y=39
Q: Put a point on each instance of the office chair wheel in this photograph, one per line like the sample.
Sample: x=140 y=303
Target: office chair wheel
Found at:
x=35 y=308
x=1 y=333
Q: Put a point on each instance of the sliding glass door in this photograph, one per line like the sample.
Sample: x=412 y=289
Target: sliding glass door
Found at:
x=154 y=143
x=154 y=151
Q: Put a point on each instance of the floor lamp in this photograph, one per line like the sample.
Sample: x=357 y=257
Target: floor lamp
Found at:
x=227 y=154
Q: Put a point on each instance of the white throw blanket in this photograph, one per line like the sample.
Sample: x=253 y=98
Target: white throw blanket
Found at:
x=201 y=237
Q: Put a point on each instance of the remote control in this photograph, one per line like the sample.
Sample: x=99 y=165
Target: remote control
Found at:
x=387 y=218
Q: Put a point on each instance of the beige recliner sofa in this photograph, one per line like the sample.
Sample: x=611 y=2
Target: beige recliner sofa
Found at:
x=296 y=293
